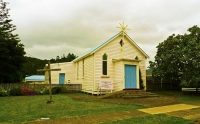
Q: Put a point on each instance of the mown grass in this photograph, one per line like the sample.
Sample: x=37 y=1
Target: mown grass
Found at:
x=28 y=108
x=180 y=96
x=152 y=119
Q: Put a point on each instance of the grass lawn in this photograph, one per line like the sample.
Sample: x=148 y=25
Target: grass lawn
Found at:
x=180 y=96
x=80 y=106
x=29 y=108
x=151 y=119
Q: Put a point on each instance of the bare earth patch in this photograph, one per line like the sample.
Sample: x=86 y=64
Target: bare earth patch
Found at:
x=147 y=102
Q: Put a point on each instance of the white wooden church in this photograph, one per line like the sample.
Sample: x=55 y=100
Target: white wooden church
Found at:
x=113 y=65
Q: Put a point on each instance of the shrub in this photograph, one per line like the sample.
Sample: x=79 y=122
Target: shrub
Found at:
x=26 y=91
x=15 y=92
x=41 y=91
x=37 y=92
x=56 y=90
x=4 y=92
x=44 y=91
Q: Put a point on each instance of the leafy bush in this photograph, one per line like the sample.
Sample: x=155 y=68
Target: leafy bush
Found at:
x=37 y=92
x=15 y=92
x=4 y=92
x=44 y=91
x=56 y=90
x=26 y=91
x=41 y=91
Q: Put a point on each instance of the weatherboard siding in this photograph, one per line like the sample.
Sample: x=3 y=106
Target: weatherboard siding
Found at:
x=118 y=78
x=112 y=49
x=115 y=72
x=68 y=68
x=87 y=70
x=88 y=79
x=131 y=51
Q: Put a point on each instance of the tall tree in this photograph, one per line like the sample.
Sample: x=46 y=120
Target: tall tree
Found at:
x=178 y=57
x=31 y=65
x=70 y=57
x=11 y=50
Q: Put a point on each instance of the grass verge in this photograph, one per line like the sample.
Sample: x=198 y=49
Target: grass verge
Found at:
x=28 y=108
x=180 y=96
x=152 y=119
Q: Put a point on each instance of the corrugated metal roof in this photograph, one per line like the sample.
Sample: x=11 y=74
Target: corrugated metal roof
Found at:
x=35 y=78
x=104 y=43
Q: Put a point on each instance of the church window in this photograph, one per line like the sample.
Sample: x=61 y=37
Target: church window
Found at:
x=104 y=64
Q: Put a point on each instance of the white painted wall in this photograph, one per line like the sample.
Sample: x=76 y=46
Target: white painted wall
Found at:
x=113 y=50
x=89 y=72
x=69 y=68
x=86 y=73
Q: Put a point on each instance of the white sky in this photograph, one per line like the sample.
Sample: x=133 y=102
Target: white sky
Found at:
x=49 y=28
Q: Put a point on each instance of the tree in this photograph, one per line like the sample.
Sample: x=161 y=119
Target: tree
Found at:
x=141 y=81
x=178 y=58
x=31 y=65
x=70 y=57
x=11 y=50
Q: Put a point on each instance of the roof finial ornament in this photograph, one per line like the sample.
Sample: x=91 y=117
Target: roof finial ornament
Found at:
x=123 y=28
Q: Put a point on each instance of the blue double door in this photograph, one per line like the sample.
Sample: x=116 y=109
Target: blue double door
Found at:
x=130 y=76
x=61 y=78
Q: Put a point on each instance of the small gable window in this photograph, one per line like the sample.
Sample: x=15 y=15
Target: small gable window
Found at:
x=104 y=64
x=121 y=42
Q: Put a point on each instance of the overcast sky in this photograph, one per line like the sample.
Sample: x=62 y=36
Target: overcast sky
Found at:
x=49 y=28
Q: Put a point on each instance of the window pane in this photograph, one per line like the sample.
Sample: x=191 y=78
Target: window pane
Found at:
x=104 y=57
x=104 y=67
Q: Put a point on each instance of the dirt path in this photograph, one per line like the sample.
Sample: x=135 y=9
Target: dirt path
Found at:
x=168 y=108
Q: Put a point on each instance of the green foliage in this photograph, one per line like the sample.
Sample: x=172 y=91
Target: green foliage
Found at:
x=149 y=119
x=11 y=50
x=32 y=64
x=15 y=92
x=178 y=58
x=43 y=91
x=26 y=108
x=4 y=92
x=141 y=81
x=56 y=90
x=70 y=57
